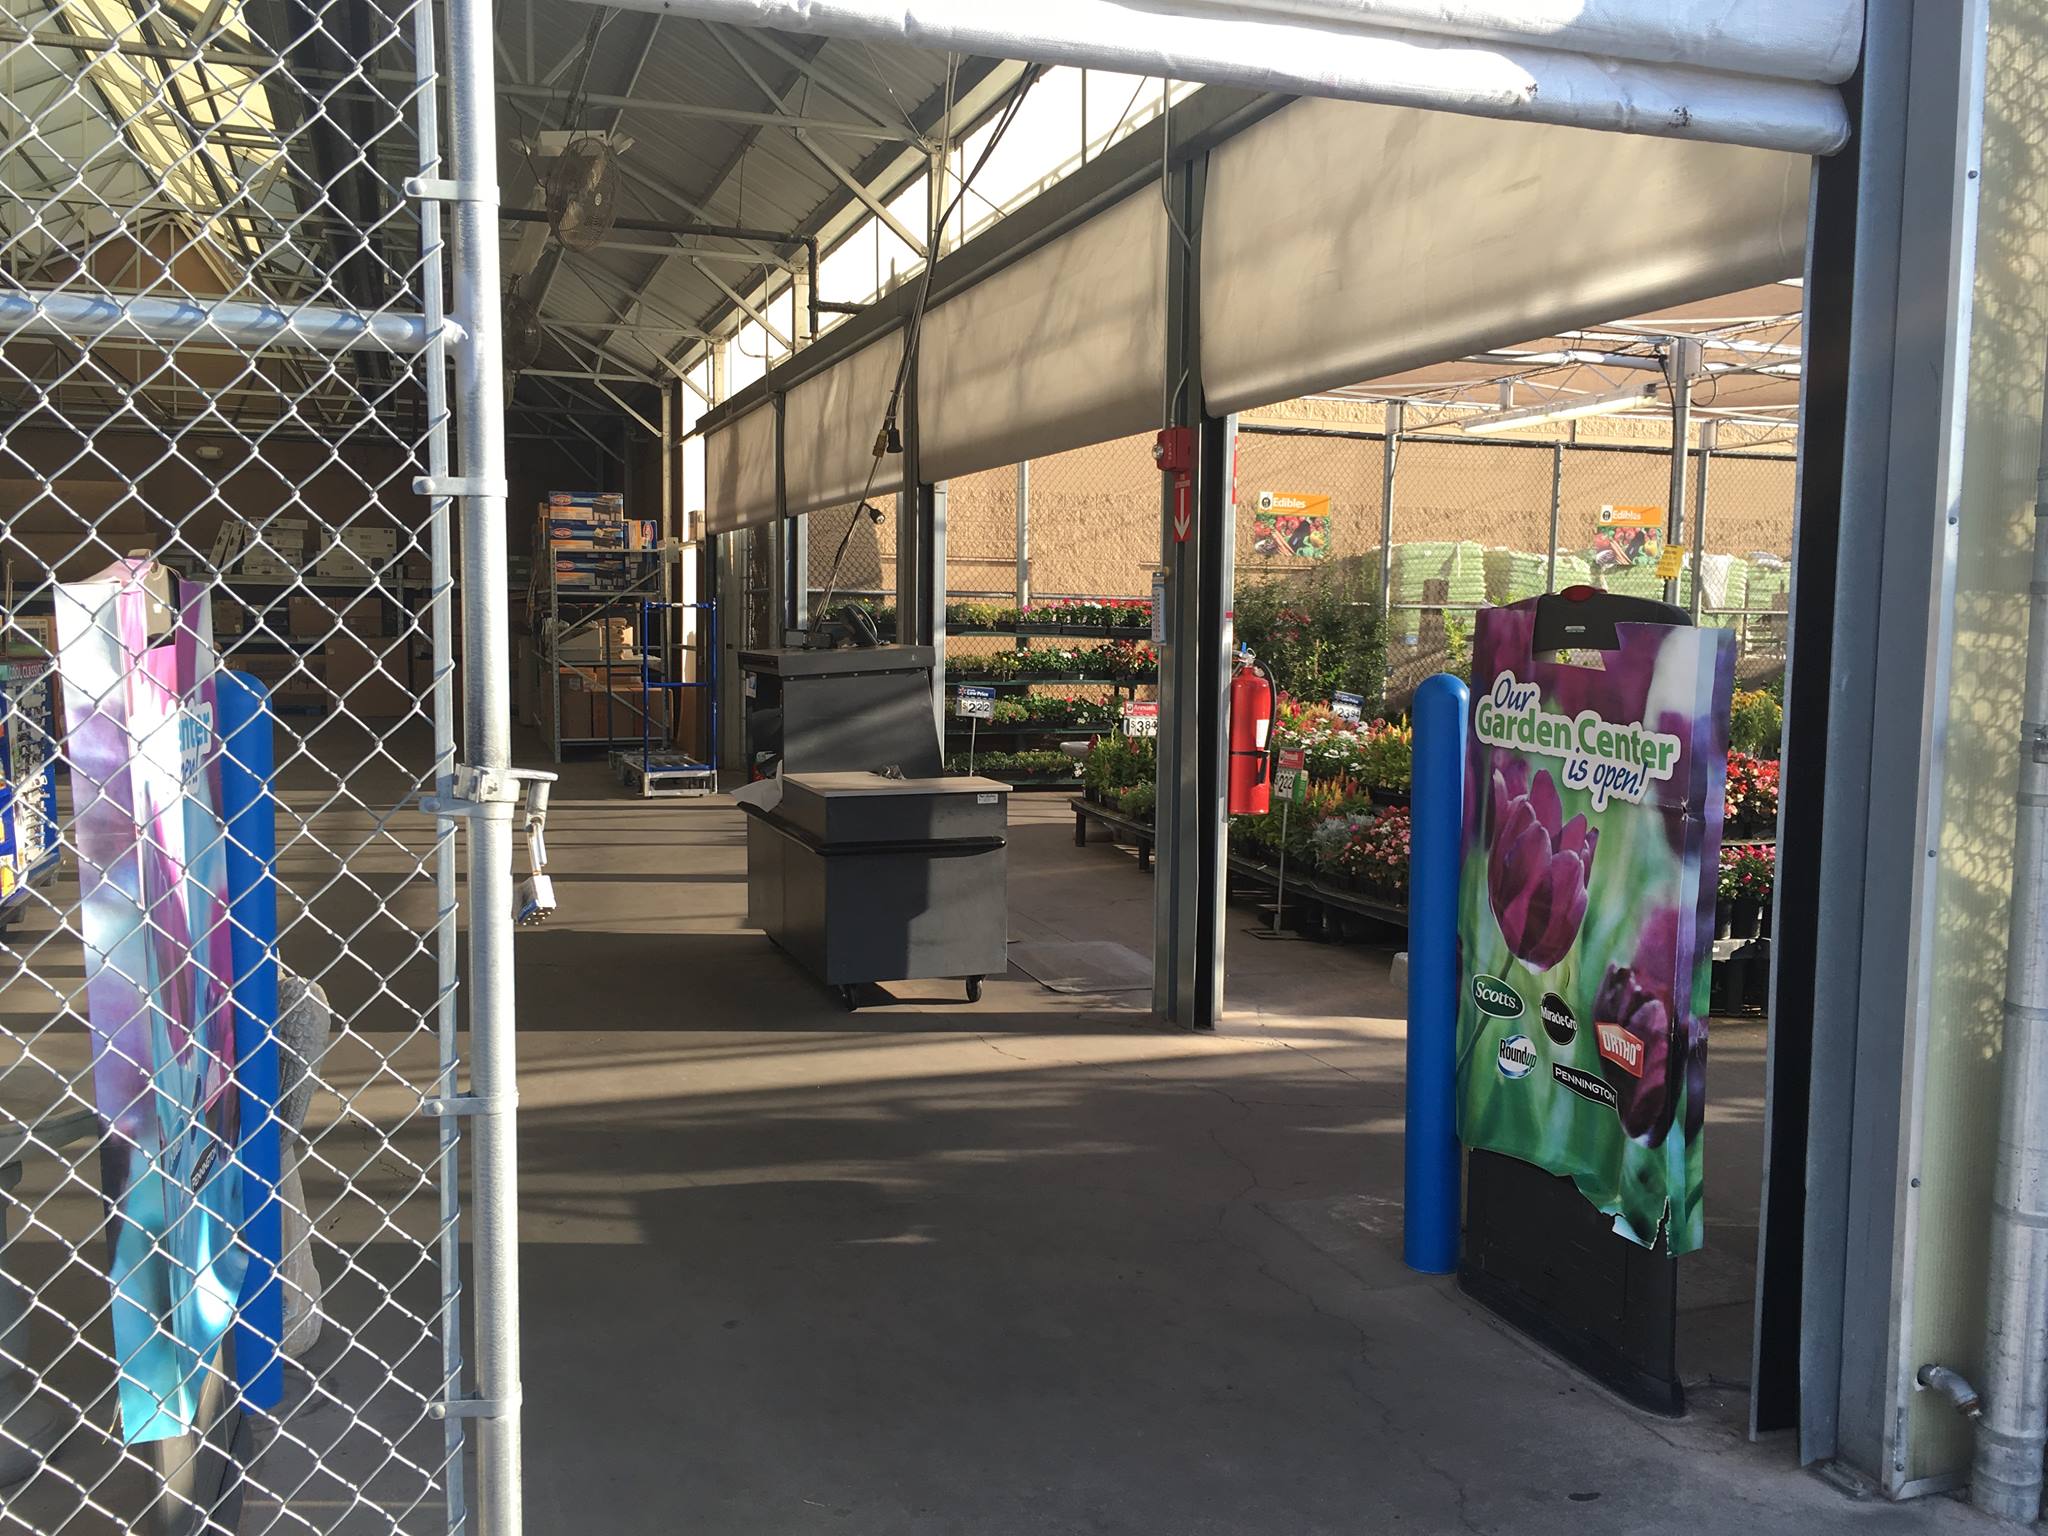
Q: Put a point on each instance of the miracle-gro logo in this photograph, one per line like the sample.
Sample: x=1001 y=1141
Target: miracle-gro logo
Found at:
x=1601 y=758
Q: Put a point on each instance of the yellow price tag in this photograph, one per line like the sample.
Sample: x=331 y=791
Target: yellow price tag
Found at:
x=1670 y=563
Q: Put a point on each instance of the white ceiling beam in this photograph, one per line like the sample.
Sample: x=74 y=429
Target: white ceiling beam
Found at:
x=827 y=78
x=758 y=316
x=881 y=135
x=862 y=193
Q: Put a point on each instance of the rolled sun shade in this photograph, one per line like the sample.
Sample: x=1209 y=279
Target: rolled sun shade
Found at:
x=1753 y=72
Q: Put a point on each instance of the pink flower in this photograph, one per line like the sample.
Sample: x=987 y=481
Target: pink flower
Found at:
x=1537 y=866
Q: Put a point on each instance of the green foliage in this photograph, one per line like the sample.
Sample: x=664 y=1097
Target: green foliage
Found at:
x=1756 y=722
x=1014 y=765
x=970 y=616
x=1458 y=644
x=1117 y=763
x=1319 y=634
x=1385 y=758
x=1138 y=800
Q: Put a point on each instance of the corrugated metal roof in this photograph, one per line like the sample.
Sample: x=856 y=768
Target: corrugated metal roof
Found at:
x=688 y=167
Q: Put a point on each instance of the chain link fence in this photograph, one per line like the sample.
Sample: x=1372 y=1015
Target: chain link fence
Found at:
x=230 y=1287
x=1473 y=523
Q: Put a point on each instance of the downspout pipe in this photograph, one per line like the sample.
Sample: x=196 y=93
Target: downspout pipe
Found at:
x=713 y=232
x=2006 y=1480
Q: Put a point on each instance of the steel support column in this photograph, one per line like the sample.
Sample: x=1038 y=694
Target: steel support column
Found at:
x=1194 y=661
x=1889 y=292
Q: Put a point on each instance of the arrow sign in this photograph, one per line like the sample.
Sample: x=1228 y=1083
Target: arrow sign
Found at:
x=1183 y=509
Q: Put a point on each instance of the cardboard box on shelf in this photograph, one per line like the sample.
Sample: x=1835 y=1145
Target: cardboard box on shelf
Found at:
x=229 y=617
x=367 y=676
x=601 y=703
x=275 y=551
x=361 y=615
x=357 y=554
x=311 y=618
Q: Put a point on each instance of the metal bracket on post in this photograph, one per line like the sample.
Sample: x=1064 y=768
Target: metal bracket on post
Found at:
x=470 y=790
x=456 y=485
x=471 y=1408
x=442 y=189
x=457 y=1106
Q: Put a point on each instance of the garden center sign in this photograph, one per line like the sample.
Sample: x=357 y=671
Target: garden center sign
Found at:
x=1593 y=809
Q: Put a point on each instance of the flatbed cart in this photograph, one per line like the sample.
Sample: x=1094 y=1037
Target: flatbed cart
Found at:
x=29 y=849
x=662 y=773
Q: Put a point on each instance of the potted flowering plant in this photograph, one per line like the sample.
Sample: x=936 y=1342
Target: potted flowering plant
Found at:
x=1127 y=661
x=1752 y=808
x=1376 y=855
x=1749 y=873
x=1038 y=619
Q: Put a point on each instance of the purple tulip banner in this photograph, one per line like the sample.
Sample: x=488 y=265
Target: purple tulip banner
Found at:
x=143 y=751
x=1594 y=791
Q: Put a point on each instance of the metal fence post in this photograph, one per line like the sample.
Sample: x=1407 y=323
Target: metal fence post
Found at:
x=1023 y=534
x=480 y=394
x=1390 y=452
x=1556 y=507
x=1709 y=433
x=1680 y=360
x=441 y=578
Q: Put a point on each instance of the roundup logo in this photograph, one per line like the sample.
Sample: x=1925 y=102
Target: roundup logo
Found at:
x=1494 y=996
x=1516 y=1057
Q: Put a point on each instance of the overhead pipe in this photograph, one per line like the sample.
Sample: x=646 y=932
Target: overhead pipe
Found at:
x=1522 y=74
x=714 y=232
x=2006 y=1480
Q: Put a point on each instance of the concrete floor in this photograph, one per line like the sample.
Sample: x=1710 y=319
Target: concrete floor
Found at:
x=1038 y=1265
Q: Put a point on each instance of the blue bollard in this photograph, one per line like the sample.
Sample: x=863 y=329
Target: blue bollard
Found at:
x=249 y=811
x=1429 y=1228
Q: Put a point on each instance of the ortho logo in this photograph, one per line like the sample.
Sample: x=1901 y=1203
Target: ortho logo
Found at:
x=1620 y=1047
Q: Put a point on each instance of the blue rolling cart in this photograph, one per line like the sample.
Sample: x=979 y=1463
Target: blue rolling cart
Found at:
x=29 y=848
x=659 y=772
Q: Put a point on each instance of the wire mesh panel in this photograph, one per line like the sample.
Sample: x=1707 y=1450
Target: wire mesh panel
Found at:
x=862 y=547
x=1471 y=526
x=1747 y=564
x=228 y=1289
x=1094 y=521
x=1305 y=500
x=981 y=534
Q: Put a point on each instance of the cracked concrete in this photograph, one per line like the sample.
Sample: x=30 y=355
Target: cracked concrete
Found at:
x=1032 y=1266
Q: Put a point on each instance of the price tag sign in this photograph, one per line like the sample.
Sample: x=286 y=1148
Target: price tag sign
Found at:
x=974 y=703
x=1347 y=706
x=1141 y=718
x=1290 y=780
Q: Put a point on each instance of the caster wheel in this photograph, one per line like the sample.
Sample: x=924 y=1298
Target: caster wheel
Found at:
x=974 y=989
x=849 y=998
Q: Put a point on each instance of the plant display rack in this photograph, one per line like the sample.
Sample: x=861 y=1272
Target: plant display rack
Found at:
x=1017 y=736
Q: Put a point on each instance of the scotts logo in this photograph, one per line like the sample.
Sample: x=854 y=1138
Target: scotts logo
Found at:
x=1620 y=1047
x=1558 y=1022
x=1496 y=997
x=1517 y=1056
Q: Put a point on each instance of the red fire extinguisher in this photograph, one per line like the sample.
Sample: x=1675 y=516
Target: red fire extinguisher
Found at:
x=1251 y=726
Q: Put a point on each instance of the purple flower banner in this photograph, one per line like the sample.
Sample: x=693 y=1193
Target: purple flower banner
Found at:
x=1594 y=792
x=135 y=653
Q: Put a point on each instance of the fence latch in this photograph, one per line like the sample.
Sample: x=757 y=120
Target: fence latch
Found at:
x=469 y=790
